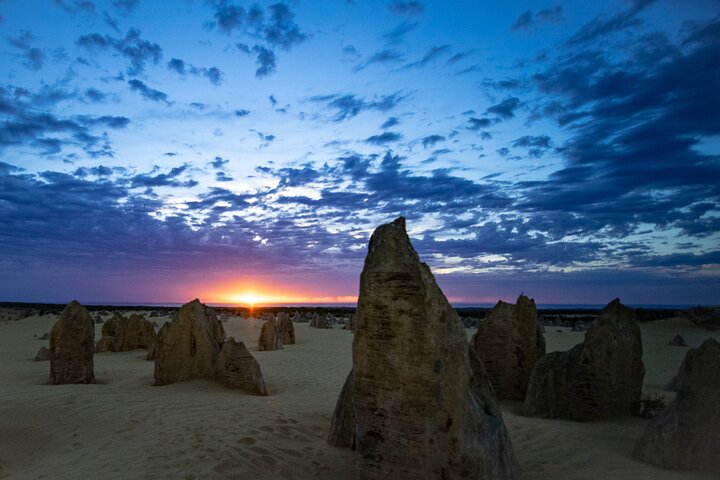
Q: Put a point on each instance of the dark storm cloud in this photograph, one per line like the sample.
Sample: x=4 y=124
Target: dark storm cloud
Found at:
x=408 y=9
x=147 y=92
x=383 y=138
x=181 y=68
x=348 y=106
x=137 y=51
x=34 y=57
x=528 y=19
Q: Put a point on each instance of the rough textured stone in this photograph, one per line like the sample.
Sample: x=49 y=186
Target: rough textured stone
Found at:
x=190 y=346
x=237 y=368
x=599 y=378
x=686 y=434
x=270 y=336
x=350 y=324
x=152 y=351
x=319 y=321
x=71 y=346
x=507 y=343
x=342 y=427
x=121 y=334
x=677 y=341
x=43 y=355
x=286 y=327
x=423 y=405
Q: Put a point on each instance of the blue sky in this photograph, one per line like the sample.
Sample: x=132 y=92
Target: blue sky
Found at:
x=156 y=151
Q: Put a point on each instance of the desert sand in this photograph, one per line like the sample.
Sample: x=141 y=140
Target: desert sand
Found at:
x=123 y=427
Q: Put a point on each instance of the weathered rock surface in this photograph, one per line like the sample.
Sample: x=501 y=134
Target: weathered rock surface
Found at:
x=72 y=340
x=319 y=321
x=706 y=317
x=190 y=345
x=507 y=343
x=152 y=351
x=122 y=334
x=686 y=435
x=286 y=327
x=599 y=378
x=677 y=341
x=237 y=368
x=270 y=336
x=43 y=355
x=424 y=407
x=342 y=426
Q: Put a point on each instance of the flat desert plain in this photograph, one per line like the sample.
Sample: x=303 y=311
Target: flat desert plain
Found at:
x=123 y=427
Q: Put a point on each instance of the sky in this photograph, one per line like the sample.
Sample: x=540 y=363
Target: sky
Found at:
x=155 y=151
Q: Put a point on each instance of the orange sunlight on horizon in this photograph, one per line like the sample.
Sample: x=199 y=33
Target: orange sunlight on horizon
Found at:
x=256 y=293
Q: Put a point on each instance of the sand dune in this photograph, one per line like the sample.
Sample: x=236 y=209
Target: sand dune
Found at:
x=123 y=427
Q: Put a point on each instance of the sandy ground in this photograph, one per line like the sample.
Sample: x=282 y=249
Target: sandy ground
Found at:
x=123 y=427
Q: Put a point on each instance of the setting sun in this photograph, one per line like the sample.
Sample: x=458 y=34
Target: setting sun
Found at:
x=248 y=298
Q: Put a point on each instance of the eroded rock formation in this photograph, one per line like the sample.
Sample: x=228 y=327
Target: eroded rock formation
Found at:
x=424 y=407
x=507 y=343
x=72 y=340
x=43 y=355
x=121 y=334
x=270 y=336
x=686 y=434
x=190 y=345
x=599 y=378
x=237 y=368
x=286 y=327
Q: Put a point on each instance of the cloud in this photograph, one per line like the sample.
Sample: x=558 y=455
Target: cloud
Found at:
x=223 y=177
x=181 y=68
x=241 y=112
x=77 y=6
x=528 y=20
x=147 y=92
x=505 y=109
x=387 y=56
x=478 y=123
x=432 y=54
x=34 y=57
x=390 y=122
x=407 y=9
x=383 y=138
x=397 y=34
x=137 y=51
x=348 y=106
x=431 y=140
x=219 y=162
x=125 y=7
x=536 y=145
x=602 y=26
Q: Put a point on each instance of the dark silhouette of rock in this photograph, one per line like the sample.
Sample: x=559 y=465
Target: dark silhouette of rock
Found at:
x=43 y=355
x=44 y=336
x=286 y=328
x=507 y=343
x=706 y=317
x=270 y=336
x=350 y=324
x=121 y=334
x=342 y=427
x=677 y=341
x=424 y=407
x=152 y=351
x=71 y=346
x=190 y=345
x=237 y=368
x=319 y=321
x=97 y=318
x=686 y=434
x=599 y=378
